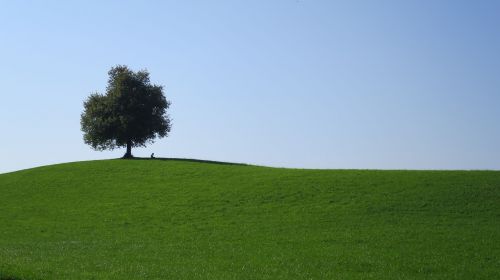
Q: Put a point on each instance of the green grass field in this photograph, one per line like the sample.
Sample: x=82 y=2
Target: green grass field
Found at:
x=180 y=219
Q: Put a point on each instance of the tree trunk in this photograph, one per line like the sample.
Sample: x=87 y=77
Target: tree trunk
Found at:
x=128 y=154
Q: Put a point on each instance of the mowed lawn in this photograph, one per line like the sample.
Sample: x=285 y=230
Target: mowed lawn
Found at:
x=181 y=219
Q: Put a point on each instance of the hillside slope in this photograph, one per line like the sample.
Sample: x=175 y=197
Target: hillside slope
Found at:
x=175 y=219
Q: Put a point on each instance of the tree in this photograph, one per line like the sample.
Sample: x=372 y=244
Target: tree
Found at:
x=132 y=112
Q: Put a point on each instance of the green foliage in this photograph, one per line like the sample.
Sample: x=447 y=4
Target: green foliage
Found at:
x=132 y=113
x=171 y=219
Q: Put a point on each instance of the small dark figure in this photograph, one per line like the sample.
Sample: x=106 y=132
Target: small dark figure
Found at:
x=153 y=155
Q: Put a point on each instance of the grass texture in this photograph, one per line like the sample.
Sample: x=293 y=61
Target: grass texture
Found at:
x=182 y=219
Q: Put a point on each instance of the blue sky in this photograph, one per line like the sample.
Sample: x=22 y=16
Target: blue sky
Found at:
x=293 y=83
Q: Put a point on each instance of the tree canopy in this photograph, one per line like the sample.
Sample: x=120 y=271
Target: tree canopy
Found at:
x=132 y=112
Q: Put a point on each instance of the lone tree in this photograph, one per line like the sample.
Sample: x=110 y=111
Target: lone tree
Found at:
x=132 y=112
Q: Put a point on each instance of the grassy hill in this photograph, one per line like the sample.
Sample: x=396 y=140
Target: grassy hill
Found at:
x=178 y=219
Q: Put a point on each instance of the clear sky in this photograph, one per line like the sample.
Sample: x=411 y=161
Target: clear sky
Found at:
x=293 y=83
